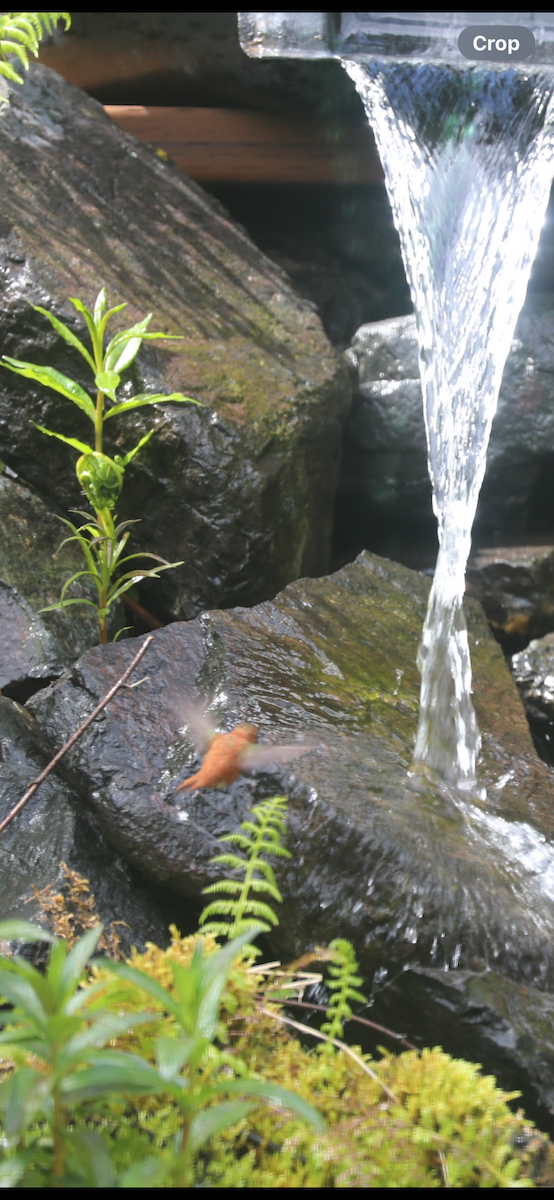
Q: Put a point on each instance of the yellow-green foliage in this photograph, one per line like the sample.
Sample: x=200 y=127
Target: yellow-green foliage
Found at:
x=439 y=1124
x=412 y=1120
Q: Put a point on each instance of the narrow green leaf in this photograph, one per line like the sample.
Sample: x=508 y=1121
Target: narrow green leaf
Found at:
x=19 y=1100
x=82 y=308
x=134 y=331
x=93 y=1158
x=54 y=970
x=100 y=306
x=59 y=607
x=50 y=378
x=113 y=1071
x=148 y=1173
x=69 y=441
x=173 y=1053
x=127 y=458
x=142 y=399
x=141 y=980
x=66 y=333
x=11 y=1169
x=108 y=381
x=79 y=955
x=105 y=1026
x=215 y=970
x=21 y=993
x=123 y=354
x=276 y=1096
x=23 y=931
x=214 y=1120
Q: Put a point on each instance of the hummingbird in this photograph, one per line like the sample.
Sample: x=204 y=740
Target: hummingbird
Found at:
x=229 y=755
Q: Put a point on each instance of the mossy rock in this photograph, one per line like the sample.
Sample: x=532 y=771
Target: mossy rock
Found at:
x=241 y=490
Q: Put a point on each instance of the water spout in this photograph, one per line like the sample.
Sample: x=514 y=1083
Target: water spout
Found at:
x=468 y=155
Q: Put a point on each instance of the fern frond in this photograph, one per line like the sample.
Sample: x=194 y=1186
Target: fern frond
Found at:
x=343 y=986
x=267 y=829
x=223 y=885
x=217 y=908
x=238 y=839
x=21 y=34
x=230 y=860
x=262 y=885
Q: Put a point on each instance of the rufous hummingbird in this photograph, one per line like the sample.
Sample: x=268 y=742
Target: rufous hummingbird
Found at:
x=229 y=755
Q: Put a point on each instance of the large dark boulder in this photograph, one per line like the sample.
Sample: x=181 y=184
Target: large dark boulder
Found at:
x=241 y=489
x=410 y=871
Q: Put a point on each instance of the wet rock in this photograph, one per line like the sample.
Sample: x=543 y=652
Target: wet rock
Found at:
x=29 y=651
x=508 y=1026
x=412 y=872
x=515 y=585
x=242 y=489
x=337 y=244
x=52 y=829
x=32 y=574
x=385 y=469
x=533 y=670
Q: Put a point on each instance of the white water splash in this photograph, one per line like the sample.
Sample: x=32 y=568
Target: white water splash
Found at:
x=468 y=155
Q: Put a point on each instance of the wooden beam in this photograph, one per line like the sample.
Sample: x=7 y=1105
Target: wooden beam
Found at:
x=239 y=146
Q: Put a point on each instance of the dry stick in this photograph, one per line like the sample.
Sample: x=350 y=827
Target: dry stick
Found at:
x=335 y=1041
x=361 y=1021
x=51 y=765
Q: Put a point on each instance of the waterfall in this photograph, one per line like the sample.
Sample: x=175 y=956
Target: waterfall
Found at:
x=468 y=155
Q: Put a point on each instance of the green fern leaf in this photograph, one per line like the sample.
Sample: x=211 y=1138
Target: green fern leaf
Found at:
x=21 y=34
x=267 y=828
x=343 y=987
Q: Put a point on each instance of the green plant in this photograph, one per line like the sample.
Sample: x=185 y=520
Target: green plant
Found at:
x=65 y=1025
x=20 y=35
x=101 y=477
x=343 y=984
x=257 y=838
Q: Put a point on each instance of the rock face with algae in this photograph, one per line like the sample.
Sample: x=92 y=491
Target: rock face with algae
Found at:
x=423 y=880
x=407 y=869
x=241 y=489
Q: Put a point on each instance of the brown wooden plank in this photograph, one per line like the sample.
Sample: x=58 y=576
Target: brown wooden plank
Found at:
x=235 y=145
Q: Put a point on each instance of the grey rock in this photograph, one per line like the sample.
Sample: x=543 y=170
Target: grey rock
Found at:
x=28 y=648
x=410 y=871
x=240 y=490
x=385 y=464
x=533 y=670
x=52 y=829
x=32 y=573
x=515 y=585
x=503 y=1025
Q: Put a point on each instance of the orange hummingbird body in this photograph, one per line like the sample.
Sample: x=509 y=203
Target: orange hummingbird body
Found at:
x=223 y=762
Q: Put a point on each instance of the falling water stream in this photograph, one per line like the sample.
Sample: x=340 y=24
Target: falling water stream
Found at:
x=468 y=155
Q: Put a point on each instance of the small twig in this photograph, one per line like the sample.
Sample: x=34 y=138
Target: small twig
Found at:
x=335 y=1042
x=444 y=1168
x=51 y=765
x=148 y=617
x=361 y=1021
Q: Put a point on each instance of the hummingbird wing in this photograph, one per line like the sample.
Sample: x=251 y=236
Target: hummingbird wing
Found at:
x=253 y=758
x=201 y=727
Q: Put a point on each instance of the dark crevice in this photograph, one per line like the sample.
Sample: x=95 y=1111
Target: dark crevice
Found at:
x=22 y=690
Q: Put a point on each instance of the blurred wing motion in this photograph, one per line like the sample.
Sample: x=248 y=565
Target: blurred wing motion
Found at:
x=254 y=758
x=201 y=727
